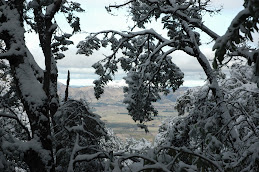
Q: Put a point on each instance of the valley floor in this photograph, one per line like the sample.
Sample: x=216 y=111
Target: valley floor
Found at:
x=116 y=117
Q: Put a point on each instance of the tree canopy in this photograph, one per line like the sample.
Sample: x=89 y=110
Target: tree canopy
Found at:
x=211 y=126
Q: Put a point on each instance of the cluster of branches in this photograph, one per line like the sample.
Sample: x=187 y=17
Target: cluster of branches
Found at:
x=150 y=70
x=32 y=119
x=146 y=49
x=203 y=132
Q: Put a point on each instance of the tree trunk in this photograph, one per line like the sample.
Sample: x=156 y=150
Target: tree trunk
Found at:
x=29 y=87
x=44 y=27
x=35 y=104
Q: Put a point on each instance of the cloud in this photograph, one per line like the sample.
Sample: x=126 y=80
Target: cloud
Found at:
x=121 y=82
x=228 y=5
x=85 y=73
x=89 y=82
x=193 y=83
x=78 y=82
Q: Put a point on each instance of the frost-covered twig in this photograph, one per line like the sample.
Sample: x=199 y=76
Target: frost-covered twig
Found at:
x=133 y=34
x=214 y=86
x=185 y=150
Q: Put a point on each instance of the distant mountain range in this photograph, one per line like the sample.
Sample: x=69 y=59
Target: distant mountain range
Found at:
x=111 y=96
x=114 y=113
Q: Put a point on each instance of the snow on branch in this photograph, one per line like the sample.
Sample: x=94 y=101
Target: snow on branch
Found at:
x=38 y=72
x=239 y=31
x=155 y=164
x=75 y=157
x=178 y=9
x=7 y=115
x=149 y=67
x=214 y=85
x=18 y=148
x=134 y=34
x=11 y=32
x=185 y=150
x=235 y=25
x=189 y=11
x=231 y=34
x=15 y=50
x=174 y=7
x=14 y=116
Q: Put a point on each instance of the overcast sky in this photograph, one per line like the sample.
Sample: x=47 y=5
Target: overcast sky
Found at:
x=95 y=18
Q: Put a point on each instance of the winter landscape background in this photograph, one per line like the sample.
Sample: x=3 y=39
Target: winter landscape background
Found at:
x=128 y=100
x=114 y=113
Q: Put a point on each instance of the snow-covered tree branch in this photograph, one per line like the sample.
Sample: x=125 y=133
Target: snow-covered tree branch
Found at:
x=150 y=70
x=212 y=126
x=35 y=90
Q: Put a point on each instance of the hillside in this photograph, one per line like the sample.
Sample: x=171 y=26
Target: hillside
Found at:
x=113 y=111
x=112 y=95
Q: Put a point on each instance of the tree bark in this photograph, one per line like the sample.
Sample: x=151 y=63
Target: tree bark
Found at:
x=35 y=106
x=30 y=90
x=44 y=25
x=66 y=92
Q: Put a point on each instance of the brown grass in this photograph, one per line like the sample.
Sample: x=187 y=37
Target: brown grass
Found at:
x=116 y=117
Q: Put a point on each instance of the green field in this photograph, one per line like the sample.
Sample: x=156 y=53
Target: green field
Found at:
x=117 y=118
